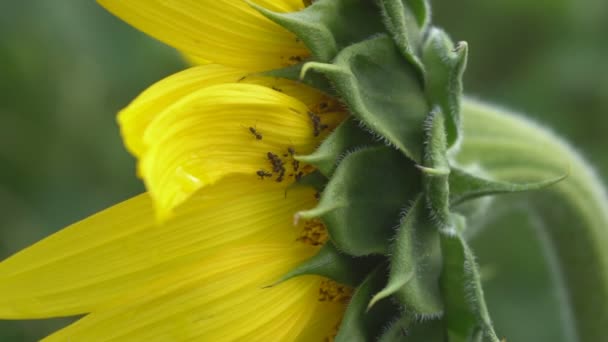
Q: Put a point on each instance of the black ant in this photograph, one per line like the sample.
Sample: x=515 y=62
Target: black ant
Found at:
x=277 y=165
x=281 y=175
x=256 y=133
x=275 y=161
x=316 y=123
x=262 y=173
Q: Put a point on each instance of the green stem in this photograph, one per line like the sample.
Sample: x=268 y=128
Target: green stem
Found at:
x=574 y=212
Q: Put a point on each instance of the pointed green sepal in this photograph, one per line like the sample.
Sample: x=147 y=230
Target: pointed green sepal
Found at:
x=361 y=204
x=327 y=26
x=381 y=89
x=359 y=325
x=415 y=264
x=466 y=314
x=445 y=65
x=402 y=24
x=330 y=263
x=465 y=186
x=347 y=137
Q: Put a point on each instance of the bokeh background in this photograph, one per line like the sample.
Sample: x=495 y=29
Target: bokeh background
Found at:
x=67 y=66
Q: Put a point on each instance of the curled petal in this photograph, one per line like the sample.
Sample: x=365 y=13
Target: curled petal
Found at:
x=136 y=117
x=223 y=130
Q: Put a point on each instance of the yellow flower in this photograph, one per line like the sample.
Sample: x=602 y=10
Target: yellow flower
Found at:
x=215 y=148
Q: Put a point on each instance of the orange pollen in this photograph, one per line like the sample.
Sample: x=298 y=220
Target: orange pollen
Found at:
x=331 y=291
x=314 y=233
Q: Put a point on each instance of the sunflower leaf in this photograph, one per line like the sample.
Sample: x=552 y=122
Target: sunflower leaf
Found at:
x=445 y=64
x=359 y=324
x=415 y=264
x=465 y=186
x=361 y=203
x=327 y=26
x=382 y=90
x=345 y=138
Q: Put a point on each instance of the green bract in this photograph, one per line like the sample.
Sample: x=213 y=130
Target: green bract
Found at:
x=395 y=176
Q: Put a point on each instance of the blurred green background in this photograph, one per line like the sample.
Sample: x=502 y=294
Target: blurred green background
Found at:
x=67 y=66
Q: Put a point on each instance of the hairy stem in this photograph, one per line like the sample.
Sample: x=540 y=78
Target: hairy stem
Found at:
x=574 y=212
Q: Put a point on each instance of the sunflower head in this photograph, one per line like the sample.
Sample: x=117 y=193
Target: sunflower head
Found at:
x=299 y=186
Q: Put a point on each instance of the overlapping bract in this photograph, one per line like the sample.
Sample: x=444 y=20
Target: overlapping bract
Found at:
x=203 y=137
x=389 y=191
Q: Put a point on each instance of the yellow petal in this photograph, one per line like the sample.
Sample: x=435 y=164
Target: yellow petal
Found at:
x=224 y=298
x=82 y=267
x=137 y=116
x=227 y=32
x=222 y=130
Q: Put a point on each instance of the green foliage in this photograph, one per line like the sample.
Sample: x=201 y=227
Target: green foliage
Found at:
x=465 y=186
x=327 y=27
x=360 y=204
x=445 y=64
x=405 y=25
x=345 y=138
x=382 y=91
x=466 y=315
x=360 y=324
x=571 y=215
x=331 y=263
x=415 y=264
x=437 y=168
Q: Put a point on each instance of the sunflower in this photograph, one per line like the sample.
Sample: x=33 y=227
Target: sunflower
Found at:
x=200 y=255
